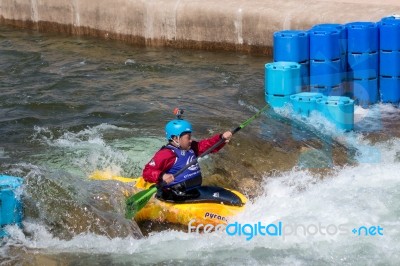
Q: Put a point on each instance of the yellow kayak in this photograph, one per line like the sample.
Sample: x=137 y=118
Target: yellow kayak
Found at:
x=214 y=206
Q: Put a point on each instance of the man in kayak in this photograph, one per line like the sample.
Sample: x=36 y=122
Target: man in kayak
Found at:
x=179 y=151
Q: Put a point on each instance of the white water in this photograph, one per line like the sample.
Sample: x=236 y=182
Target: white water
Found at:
x=366 y=194
x=90 y=151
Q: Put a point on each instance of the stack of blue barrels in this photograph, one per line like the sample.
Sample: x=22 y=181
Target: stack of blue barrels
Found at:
x=10 y=202
x=326 y=65
x=363 y=61
x=390 y=59
x=360 y=60
x=293 y=46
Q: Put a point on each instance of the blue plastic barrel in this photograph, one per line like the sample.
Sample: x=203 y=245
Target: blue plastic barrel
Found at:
x=391 y=19
x=277 y=101
x=389 y=63
x=324 y=44
x=282 y=78
x=305 y=102
x=291 y=45
x=10 y=202
x=363 y=65
x=343 y=43
x=339 y=110
x=389 y=89
x=325 y=73
x=362 y=37
x=336 y=90
x=342 y=32
x=389 y=34
x=365 y=91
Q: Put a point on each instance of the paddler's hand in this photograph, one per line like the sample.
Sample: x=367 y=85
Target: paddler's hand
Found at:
x=227 y=136
x=168 y=178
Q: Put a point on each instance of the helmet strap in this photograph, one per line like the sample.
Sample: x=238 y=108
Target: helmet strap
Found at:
x=176 y=142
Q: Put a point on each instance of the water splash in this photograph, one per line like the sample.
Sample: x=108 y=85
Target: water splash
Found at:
x=88 y=150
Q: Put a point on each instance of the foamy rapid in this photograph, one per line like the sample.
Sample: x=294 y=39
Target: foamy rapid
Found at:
x=318 y=216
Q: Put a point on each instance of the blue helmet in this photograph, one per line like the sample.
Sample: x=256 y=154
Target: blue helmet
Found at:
x=177 y=127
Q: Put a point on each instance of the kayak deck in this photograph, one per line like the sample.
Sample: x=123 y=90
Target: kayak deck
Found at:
x=214 y=206
x=211 y=194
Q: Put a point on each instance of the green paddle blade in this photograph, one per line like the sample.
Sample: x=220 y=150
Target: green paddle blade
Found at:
x=136 y=202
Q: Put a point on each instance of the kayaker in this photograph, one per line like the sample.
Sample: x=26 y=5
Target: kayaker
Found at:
x=179 y=151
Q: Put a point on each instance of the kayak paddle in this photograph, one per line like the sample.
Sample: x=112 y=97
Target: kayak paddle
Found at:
x=137 y=201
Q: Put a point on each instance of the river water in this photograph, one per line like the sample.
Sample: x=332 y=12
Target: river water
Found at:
x=72 y=105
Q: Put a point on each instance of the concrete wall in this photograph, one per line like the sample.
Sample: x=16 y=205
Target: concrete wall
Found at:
x=245 y=25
